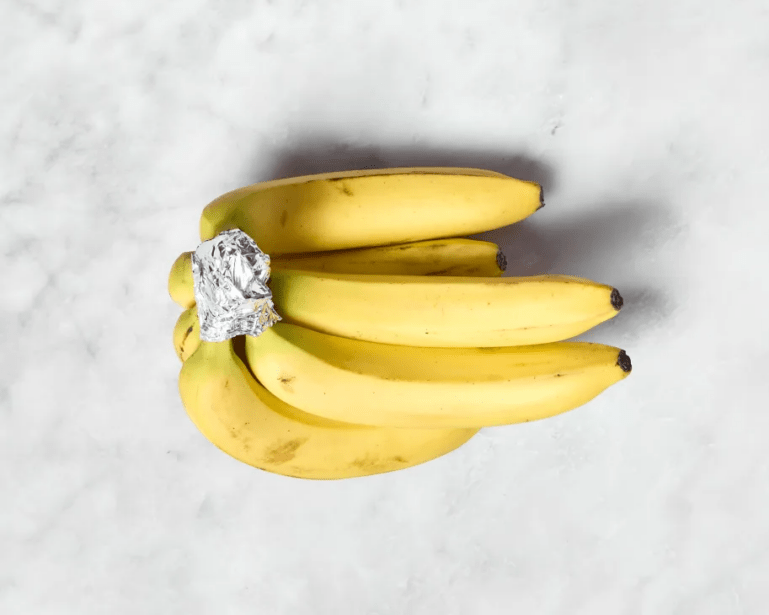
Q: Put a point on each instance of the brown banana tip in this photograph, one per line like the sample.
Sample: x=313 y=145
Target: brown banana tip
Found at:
x=616 y=300
x=541 y=198
x=624 y=362
x=501 y=260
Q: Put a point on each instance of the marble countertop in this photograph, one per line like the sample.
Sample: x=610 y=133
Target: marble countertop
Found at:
x=646 y=124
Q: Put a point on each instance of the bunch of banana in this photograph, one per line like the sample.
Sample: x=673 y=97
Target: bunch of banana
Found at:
x=399 y=339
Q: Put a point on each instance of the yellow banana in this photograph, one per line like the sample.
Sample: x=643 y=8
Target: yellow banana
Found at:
x=454 y=256
x=187 y=333
x=246 y=421
x=406 y=386
x=443 y=311
x=355 y=209
x=180 y=283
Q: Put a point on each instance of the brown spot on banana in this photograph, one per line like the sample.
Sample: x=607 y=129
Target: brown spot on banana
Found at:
x=283 y=452
x=341 y=185
x=368 y=462
x=184 y=341
x=286 y=382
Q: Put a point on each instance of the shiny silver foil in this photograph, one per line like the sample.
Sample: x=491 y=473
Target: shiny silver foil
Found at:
x=231 y=275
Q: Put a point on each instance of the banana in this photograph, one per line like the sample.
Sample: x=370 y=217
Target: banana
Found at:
x=416 y=387
x=187 y=333
x=247 y=422
x=443 y=311
x=180 y=283
x=454 y=256
x=355 y=209
x=439 y=311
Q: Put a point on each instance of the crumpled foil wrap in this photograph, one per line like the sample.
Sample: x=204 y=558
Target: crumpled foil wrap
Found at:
x=231 y=274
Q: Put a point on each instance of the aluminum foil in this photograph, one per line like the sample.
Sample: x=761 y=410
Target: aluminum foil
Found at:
x=231 y=274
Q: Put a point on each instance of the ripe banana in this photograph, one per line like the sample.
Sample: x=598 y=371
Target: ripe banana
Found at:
x=443 y=311
x=454 y=256
x=415 y=387
x=246 y=421
x=180 y=282
x=355 y=209
x=187 y=333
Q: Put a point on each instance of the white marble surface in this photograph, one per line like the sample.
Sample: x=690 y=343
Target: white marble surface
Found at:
x=646 y=122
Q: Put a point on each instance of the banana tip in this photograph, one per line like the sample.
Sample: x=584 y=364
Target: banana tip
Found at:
x=624 y=362
x=616 y=300
x=501 y=260
x=541 y=198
